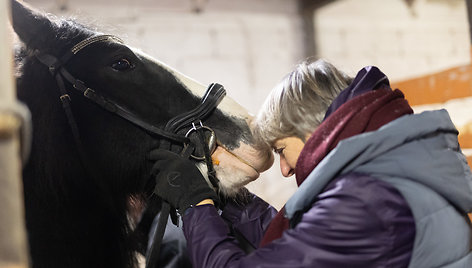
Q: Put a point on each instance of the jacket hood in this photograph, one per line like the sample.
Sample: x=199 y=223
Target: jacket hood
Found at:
x=420 y=147
x=367 y=79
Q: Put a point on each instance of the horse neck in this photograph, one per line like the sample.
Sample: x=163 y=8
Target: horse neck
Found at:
x=82 y=225
x=74 y=217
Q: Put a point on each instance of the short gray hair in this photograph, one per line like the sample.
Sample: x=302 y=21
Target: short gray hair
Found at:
x=297 y=105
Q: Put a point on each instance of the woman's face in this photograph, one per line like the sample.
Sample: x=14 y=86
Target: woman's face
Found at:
x=288 y=149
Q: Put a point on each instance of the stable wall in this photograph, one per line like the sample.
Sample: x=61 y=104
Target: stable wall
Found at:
x=423 y=48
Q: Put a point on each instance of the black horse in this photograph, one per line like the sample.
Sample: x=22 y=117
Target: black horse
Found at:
x=79 y=216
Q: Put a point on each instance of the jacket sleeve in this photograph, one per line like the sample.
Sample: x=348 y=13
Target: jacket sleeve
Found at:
x=344 y=228
x=249 y=217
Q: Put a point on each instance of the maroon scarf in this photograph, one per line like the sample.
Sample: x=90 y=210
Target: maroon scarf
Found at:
x=363 y=113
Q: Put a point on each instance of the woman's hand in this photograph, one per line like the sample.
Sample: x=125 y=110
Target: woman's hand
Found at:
x=179 y=182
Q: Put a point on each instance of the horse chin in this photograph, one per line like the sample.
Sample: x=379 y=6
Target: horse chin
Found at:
x=237 y=168
x=232 y=180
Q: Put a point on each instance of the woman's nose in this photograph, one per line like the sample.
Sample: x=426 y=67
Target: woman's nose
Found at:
x=285 y=168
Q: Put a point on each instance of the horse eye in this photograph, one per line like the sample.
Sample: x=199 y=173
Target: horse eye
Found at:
x=122 y=65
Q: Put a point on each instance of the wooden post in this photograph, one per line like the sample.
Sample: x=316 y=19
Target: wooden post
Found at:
x=13 y=248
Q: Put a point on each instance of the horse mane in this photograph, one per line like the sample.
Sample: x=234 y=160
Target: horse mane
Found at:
x=50 y=189
x=30 y=87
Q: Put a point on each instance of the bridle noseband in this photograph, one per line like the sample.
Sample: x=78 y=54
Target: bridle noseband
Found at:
x=189 y=122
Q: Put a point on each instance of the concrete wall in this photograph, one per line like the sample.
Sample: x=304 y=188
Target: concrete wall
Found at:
x=431 y=36
x=423 y=48
x=246 y=45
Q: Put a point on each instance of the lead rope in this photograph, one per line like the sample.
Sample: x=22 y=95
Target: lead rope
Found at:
x=152 y=256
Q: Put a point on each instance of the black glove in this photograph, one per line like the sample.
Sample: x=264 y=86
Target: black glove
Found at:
x=178 y=180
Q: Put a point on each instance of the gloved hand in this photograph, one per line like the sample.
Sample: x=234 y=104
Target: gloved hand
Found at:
x=178 y=180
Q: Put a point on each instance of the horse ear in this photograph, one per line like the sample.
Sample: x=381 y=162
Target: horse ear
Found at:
x=31 y=26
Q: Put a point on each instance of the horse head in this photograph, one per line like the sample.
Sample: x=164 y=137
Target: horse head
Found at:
x=136 y=81
x=115 y=149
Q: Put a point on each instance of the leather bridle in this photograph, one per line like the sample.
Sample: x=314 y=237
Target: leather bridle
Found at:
x=189 y=122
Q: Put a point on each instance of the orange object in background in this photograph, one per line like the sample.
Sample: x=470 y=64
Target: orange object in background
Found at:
x=440 y=87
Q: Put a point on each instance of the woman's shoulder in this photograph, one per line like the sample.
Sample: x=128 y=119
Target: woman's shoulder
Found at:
x=363 y=186
x=368 y=195
x=356 y=212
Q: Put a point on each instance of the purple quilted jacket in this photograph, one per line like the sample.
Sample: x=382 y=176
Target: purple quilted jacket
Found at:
x=357 y=221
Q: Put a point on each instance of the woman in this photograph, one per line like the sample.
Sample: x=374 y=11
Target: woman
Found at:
x=378 y=185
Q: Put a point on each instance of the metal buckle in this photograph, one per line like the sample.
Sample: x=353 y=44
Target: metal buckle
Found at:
x=210 y=141
x=89 y=92
x=65 y=97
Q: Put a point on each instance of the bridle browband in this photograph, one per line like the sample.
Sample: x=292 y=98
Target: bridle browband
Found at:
x=192 y=120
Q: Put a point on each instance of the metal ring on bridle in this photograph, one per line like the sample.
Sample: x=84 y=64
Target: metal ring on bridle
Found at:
x=211 y=140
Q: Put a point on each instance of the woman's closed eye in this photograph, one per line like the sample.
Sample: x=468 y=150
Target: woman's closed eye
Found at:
x=279 y=151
